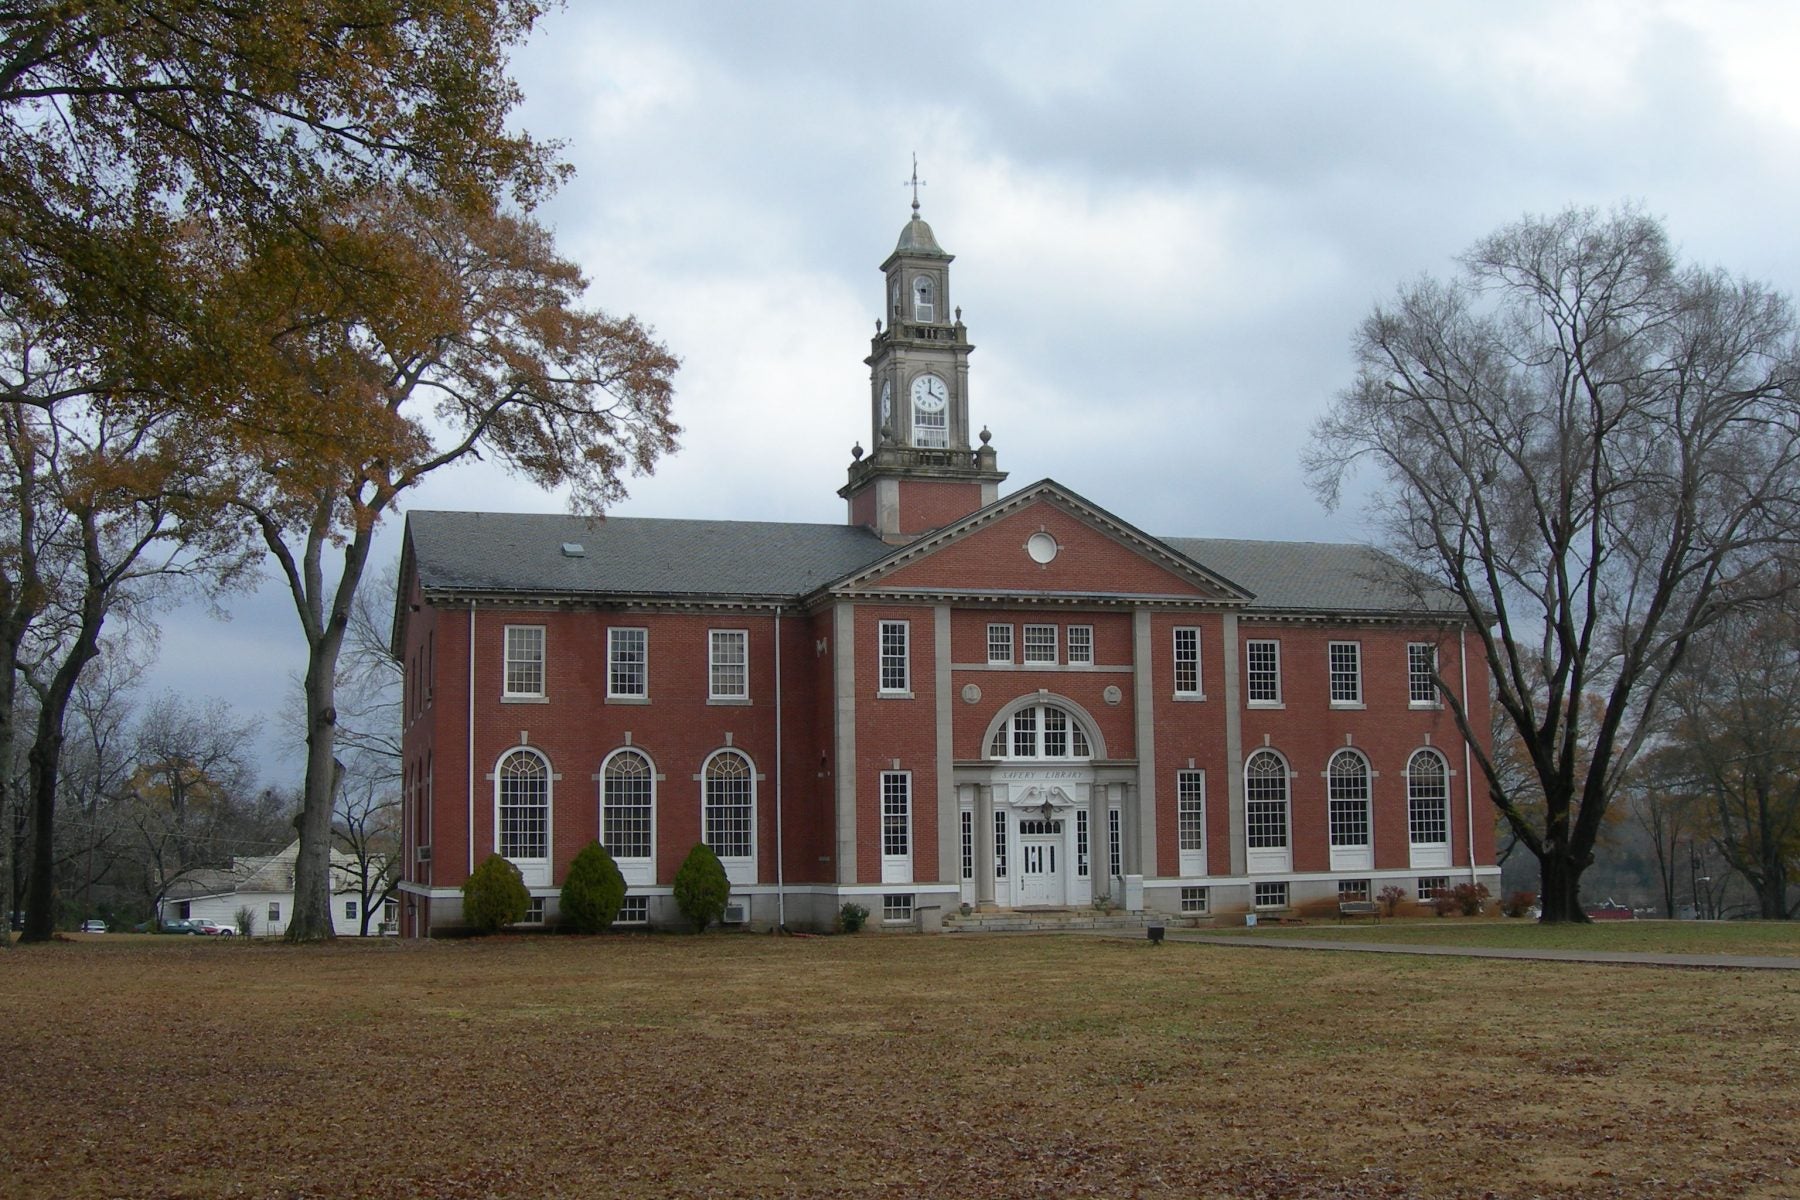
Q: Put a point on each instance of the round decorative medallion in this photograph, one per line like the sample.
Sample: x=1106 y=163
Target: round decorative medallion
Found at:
x=971 y=694
x=1041 y=546
x=1112 y=694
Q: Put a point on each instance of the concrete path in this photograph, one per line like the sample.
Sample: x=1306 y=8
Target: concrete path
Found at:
x=1745 y=962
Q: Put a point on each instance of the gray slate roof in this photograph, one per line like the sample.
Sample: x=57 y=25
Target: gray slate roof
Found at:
x=521 y=554
x=642 y=556
x=1314 y=576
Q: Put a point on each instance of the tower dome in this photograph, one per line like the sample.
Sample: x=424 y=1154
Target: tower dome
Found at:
x=917 y=238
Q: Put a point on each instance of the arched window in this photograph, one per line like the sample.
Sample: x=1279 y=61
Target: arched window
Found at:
x=1266 y=801
x=1347 y=785
x=924 y=299
x=627 y=805
x=1428 y=799
x=523 y=782
x=728 y=815
x=1040 y=731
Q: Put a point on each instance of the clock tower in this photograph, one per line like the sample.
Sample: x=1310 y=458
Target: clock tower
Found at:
x=921 y=472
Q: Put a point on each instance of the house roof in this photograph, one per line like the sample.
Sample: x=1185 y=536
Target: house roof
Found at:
x=519 y=554
x=249 y=873
x=524 y=554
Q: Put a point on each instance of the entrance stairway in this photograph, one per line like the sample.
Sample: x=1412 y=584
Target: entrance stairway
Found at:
x=1049 y=920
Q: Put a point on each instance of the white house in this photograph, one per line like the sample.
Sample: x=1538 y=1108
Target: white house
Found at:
x=264 y=883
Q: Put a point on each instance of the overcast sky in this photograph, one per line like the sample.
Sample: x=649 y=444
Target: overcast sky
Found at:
x=1167 y=221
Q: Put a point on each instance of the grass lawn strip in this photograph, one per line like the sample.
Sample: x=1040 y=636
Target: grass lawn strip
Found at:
x=882 y=1066
x=1650 y=937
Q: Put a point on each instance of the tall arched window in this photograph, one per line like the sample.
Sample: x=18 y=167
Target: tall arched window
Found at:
x=1266 y=801
x=1347 y=786
x=1040 y=731
x=627 y=805
x=523 y=784
x=728 y=814
x=924 y=299
x=1428 y=799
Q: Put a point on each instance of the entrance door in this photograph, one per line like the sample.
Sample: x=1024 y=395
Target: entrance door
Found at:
x=1040 y=863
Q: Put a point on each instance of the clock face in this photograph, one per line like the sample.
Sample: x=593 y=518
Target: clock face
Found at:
x=887 y=402
x=929 y=394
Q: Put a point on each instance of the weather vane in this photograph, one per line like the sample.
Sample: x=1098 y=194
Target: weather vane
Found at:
x=915 y=183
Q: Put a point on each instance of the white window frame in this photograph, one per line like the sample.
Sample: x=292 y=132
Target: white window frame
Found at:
x=1334 y=802
x=739 y=868
x=1270 y=895
x=1272 y=675
x=633 y=910
x=1081 y=645
x=1262 y=854
x=896 y=792
x=614 y=637
x=1355 y=891
x=534 y=868
x=516 y=655
x=1183 y=656
x=637 y=868
x=1427 y=695
x=897 y=908
x=931 y=430
x=1025 y=734
x=1000 y=643
x=718 y=640
x=924 y=298
x=1190 y=820
x=883 y=659
x=1346 y=687
x=1416 y=803
x=1195 y=900
x=1036 y=654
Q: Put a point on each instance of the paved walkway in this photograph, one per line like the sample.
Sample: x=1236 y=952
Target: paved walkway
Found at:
x=1633 y=958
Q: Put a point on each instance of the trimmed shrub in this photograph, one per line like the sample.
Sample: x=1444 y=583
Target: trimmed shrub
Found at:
x=494 y=895
x=592 y=891
x=852 y=916
x=1518 y=903
x=1471 y=898
x=701 y=887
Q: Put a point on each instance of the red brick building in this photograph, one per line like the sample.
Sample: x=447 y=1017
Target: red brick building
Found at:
x=955 y=698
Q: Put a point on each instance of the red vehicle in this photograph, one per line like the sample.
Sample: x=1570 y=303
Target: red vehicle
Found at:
x=1610 y=912
x=214 y=929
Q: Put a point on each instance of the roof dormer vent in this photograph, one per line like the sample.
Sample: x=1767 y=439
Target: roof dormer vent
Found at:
x=574 y=550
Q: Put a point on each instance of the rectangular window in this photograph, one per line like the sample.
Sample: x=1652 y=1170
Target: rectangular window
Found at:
x=1081 y=645
x=1353 y=891
x=633 y=910
x=524 y=661
x=1271 y=895
x=1081 y=843
x=1190 y=819
x=895 y=909
x=1040 y=643
x=274 y=910
x=1193 y=899
x=729 y=665
x=896 y=814
x=1431 y=885
x=349 y=910
x=1024 y=727
x=628 y=663
x=1187 y=662
x=1346 y=672
x=896 y=662
x=1115 y=845
x=1421 y=668
x=1262 y=672
x=534 y=911
x=968 y=843
x=1000 y=648
x=999 y=845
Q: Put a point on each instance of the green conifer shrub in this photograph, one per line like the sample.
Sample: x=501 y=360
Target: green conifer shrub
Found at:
x=701 y=887
x=494 y=895
x=592 y=891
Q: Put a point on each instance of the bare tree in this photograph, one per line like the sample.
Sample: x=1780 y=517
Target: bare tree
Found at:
x=1666 y=814
x=367 y=829
x=1735 y=743
x=1597 y=449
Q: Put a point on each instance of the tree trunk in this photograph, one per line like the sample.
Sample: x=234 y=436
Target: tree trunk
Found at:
x=1560 y=891
x=312 y=865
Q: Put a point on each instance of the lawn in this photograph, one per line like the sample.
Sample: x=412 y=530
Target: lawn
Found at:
x=882 y=1066
x=1666 y=937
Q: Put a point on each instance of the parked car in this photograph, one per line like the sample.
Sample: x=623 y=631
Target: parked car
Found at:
x=180 y=927
x=215 y=928
x=94 y=926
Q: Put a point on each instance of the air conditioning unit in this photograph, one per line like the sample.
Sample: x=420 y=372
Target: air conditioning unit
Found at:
x=422 y=854
x=736 y=912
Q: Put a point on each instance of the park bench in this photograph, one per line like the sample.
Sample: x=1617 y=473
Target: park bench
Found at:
x=1358 y=908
